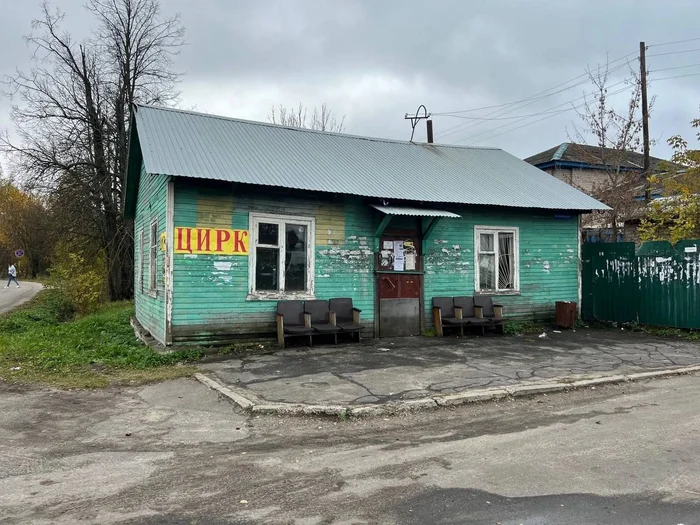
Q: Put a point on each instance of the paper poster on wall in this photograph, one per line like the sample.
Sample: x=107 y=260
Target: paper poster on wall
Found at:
x=410 y=263
x=388 y=245
x=386 y=258
x=398 y=256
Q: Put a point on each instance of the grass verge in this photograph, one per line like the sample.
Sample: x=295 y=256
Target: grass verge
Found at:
x=524 y=327
x=41 y=343
x=681 y=333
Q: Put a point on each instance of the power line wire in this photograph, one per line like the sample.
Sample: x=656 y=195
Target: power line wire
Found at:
x=551 y=114
x=545 y=94
x=523 y=117
x=674 y=52
x=503 y=109
x=676 y=76
x=535 y=95
x=582 y=97
x=674 y=42
x=671 y=68
x=532 y=100
x=499 y=118
x=534 y=121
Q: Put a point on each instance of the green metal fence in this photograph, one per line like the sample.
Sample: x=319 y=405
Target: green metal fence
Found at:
x=658 y=285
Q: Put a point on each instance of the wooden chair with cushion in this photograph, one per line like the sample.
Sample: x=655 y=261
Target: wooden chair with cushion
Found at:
x=322 y=318
x=292 y=322
x=485 y=309
x=464 y=308
x=347 y=318
x=445 y=316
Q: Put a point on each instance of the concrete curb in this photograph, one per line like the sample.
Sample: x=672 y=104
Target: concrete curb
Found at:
x=240 y=400
x=488 y=394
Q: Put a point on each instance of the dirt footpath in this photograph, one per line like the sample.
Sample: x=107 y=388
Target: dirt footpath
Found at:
x=13 y=296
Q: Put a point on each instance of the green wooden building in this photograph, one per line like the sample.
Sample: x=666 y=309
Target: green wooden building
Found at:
x=232 y=216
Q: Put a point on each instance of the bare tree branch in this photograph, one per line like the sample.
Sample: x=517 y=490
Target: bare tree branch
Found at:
x=611 y=134
x=72 y=115
x=321 y=119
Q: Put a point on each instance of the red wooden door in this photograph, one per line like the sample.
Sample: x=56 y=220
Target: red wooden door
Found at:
x=399 y=284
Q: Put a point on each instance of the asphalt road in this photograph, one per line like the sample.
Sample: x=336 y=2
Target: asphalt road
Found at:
x=175 y=453
x=13 y=296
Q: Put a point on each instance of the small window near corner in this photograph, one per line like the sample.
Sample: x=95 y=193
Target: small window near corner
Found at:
x=497 y=266
x=153 y=257
x=139 y=261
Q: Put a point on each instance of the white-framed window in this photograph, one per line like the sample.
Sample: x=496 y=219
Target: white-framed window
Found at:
x=153 y=257
x=281 y=259
x=139 y=262
x=497 y=260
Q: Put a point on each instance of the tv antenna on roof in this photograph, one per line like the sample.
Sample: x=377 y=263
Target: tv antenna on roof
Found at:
x=417 y=118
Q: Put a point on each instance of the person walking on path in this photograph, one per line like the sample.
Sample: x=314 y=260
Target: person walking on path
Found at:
x=12 y=271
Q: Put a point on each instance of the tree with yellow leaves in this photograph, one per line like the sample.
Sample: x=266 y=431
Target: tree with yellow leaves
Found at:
x=25 y=224
x=676 y=215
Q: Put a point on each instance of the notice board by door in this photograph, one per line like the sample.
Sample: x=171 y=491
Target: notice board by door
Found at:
x=399 y=284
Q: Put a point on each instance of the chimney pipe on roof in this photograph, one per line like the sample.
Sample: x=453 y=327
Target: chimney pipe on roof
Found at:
x=429 y=124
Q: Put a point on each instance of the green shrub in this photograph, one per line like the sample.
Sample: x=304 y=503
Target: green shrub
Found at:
x=79 y=283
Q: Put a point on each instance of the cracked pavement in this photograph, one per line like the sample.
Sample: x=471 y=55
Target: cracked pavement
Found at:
x=177 y=453
x=381 y=371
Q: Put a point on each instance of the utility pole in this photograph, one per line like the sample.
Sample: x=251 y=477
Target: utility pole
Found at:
x=645 y=118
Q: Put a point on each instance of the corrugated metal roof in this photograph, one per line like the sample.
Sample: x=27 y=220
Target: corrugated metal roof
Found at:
x=183 y=143
x=414 y=212
x=560 y=151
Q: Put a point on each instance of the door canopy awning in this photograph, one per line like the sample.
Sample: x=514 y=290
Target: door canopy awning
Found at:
x=390 y=211
x=414 y=212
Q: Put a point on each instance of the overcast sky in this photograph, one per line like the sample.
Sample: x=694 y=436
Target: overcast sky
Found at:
x=375 y=60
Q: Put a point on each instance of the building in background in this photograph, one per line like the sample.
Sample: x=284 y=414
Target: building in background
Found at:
x=615 y=177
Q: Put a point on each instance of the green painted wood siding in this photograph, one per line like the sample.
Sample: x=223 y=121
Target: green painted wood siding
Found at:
x=210 y=295
x=211 y=292
x=549 y=259
x=151 y=204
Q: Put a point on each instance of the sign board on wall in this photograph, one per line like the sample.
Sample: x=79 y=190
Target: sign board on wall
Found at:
x=212 y=241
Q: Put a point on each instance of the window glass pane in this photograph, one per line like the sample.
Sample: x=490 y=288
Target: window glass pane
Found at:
x=152 y=277
x=268 y=234
x=487 y=271
x=506 y=261
x=266 y=268
x=486 y=242
x=295 y=258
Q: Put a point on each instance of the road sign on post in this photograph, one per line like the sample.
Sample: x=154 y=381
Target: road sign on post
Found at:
x=19 y=253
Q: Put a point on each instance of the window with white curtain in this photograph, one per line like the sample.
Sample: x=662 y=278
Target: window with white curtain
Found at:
x=496 y=264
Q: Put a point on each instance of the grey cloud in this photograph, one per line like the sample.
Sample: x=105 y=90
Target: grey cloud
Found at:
x=245 y=56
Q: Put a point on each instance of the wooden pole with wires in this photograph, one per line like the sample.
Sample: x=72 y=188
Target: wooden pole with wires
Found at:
x=645 y=118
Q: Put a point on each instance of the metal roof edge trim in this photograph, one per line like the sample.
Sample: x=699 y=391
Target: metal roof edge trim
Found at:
x=417 y=212
x=603 y=207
